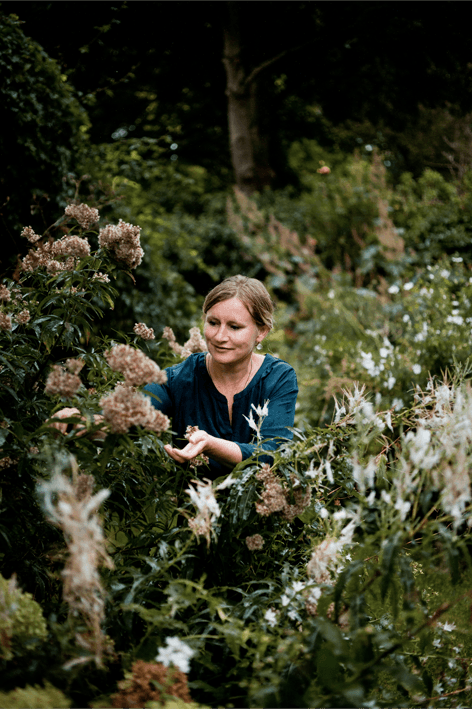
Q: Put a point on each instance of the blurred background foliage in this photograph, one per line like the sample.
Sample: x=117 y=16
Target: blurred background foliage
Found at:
x=370 y=149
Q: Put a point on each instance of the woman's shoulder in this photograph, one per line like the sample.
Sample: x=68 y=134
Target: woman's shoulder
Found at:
x=186 y=369
x=276 y=372
x=275 y=363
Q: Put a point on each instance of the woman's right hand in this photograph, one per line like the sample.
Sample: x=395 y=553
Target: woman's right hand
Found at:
x=80 y=430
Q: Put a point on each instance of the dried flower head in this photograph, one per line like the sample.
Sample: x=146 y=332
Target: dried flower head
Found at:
x=85 y=215
x=75 y=246
x=254 y=542
x=147 y=333
x=276 y=498
x=73 y=509
x=74 y=365
x=23 y=317
x=5 y=321
x=136 y=367
x=61 y=382
x=273 y=496
x=201 y=459
x=7 y=462
x=124 y=241
x=195 y=343
x=125 y=407
x=150 y=682
x=101 y=277
x=5 y=294
x=69 y=248
x=28 y=232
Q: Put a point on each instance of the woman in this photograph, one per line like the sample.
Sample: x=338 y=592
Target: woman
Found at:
x=215 y=390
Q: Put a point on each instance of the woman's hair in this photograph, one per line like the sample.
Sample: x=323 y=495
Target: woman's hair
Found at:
x=251 y=292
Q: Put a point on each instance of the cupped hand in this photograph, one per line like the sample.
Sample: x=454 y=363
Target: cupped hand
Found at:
x=197 y=443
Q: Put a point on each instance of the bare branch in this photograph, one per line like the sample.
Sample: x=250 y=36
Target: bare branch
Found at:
x=255 y=72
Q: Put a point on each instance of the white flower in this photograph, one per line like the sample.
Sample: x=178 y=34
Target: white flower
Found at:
x=314 y=595
x=445 y=274
x=329 y=473
x=176 y=653
x=388 y=420
x=363 y=474
x=271 y=617
x=298 y=586
x=292 y=615
x=393 y=289
x=448 y=627
x=416 y=368
x=285 y=600
x=402 y=507
x=251 y=421
x=324 y=514
x=406 y=318
x=455 y=319
x=408 y=286
x=204 y=499
x=331 y=293
x=342 y=514
x=340 y=411
x=226 y=483
x=386 y=497
x=397 y=404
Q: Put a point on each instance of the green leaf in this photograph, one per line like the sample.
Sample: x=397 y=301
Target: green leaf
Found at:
x=390 y=551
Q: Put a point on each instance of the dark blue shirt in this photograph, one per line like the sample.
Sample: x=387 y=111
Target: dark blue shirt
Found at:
x=190 y=398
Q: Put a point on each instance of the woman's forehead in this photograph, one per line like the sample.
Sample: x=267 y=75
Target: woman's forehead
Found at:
x=230 y=308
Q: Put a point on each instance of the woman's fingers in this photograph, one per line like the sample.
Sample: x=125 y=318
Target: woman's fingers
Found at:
x=190 y=451
x=62 y=414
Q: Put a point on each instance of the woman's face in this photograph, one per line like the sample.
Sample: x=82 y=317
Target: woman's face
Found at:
x=230 y=332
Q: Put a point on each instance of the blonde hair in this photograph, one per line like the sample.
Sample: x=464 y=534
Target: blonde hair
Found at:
x=251 y=292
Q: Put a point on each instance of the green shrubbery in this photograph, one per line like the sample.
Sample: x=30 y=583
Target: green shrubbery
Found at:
x=337 y=577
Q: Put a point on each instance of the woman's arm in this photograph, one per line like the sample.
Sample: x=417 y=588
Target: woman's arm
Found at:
x=225 y=452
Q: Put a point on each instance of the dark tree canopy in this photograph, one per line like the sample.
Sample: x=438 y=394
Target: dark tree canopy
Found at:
x=42 y=124
x=341 y=73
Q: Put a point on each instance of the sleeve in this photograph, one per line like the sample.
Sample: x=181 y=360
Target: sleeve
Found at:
x=160 y=396
x=282 y=400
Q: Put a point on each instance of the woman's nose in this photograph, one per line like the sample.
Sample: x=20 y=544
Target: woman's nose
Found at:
x=222 y=333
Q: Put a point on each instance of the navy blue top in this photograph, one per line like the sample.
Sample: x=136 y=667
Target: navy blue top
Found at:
x=190 y=398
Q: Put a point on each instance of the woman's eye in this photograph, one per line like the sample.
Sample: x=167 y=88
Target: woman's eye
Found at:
x=233 y=327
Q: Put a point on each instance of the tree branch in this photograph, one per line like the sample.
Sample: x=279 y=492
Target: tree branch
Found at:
x=255 y=72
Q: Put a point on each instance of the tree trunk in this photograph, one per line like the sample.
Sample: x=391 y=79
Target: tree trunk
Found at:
x=249 y=148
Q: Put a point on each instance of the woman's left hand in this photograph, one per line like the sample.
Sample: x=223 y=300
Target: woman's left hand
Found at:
x=197 y=443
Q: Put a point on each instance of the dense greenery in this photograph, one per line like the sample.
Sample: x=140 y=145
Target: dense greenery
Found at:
x=329 y=597
x=43 y=132
x=341 y=575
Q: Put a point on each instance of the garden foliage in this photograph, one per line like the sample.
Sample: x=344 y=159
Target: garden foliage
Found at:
x=44 y=129
x=338 y=576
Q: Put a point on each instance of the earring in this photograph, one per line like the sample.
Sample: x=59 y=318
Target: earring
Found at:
x=259 y=346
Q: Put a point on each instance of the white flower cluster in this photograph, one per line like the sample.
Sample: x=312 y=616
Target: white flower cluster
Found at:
x=176 y=653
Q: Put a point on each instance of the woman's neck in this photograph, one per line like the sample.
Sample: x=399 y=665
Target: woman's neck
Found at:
x=231 y=373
